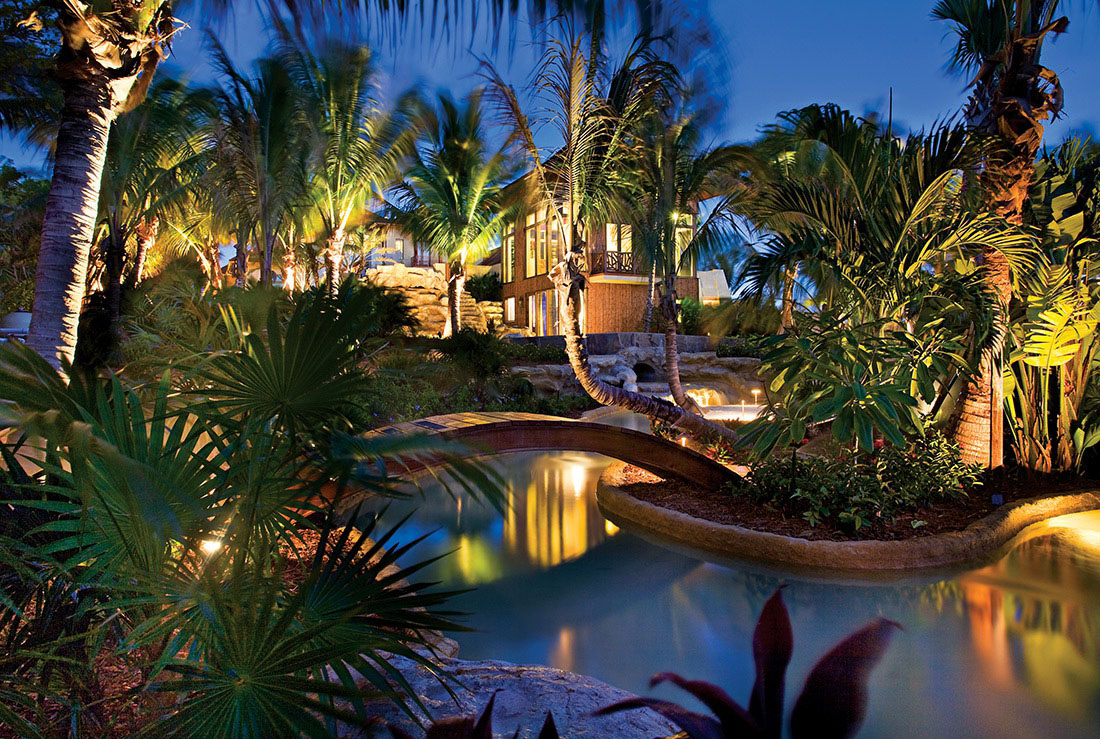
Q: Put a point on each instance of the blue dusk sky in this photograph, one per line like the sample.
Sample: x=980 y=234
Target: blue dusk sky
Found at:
x=770 y=57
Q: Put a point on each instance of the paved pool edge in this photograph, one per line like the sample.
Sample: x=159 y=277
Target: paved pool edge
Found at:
x=980 y=540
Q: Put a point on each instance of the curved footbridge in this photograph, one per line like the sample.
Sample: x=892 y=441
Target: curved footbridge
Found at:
x=497 y=433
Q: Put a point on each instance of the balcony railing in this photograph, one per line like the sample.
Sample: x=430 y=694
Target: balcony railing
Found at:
x=614 y=263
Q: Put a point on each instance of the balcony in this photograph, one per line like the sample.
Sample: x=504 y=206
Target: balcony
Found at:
x=614 y=263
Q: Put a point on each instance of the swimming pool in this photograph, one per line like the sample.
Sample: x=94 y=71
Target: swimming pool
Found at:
x=1006 y=650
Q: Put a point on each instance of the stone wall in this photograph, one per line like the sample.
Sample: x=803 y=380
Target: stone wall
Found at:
x=425 y=288
x=735 y=377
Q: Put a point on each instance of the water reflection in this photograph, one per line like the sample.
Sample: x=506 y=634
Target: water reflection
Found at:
x=1011 y=649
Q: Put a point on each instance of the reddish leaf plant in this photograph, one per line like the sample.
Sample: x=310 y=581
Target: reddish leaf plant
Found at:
x=832 y=703
x=467 y=727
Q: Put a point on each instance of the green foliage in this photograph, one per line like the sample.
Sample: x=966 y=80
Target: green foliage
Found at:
x=1052 y=399
x=854 y=492
x=485 y=286
x=535 y=353
x=865 y=379
x=742 y=346
x=478 y=355
x=744 y=316
x=128 y=482
x=691 y=317
x=17 y=296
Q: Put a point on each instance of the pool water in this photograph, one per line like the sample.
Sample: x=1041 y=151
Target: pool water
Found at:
x=1007 y=650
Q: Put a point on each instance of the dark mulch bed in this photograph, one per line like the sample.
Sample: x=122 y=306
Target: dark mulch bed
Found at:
x=726 y=507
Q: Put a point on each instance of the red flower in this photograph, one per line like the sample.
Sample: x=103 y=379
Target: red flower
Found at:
x=879 y=443
x=804 y=442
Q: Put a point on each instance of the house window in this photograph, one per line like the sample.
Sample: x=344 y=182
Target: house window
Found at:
x=509 y=310
x=530 y=234
x=619 y=237
x=540 y=265
x=531 y=312
x=508 y=259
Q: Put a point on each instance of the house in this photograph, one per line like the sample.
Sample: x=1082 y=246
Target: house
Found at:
x=388 y=245
x=618 y=281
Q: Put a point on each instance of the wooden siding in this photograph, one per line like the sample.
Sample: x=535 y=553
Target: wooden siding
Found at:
x=611 y=306
x=621 y=307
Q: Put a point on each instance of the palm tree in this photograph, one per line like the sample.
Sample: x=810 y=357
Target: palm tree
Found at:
x=674 y=174
x=259 y=155
x=594 y=116
x=149 y=165
x=109 y=54
x=999 y=42
x=357 y=148
x=106 y=63
x=451 y=199
x=817 y=143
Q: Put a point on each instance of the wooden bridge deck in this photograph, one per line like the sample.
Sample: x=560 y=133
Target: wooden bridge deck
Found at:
x=498 y=433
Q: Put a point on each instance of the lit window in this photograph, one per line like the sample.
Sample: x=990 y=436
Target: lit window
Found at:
x=508 y=259
x=510 y=310
x=540 y=268
x=530 y=233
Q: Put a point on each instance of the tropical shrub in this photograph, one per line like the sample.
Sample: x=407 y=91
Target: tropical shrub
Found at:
x=691 y=316
x=743 y=316
x=1052 y=397
x=485 y=286
x=154 y=524
x=863 y=379
x=856 y=491
x=832 y=703
x=742 y=346
x=535 y=353
x=479 y=356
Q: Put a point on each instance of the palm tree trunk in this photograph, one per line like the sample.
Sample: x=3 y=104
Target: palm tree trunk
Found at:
x=242 y=262
x=146 y=236
x=648 y=321
x=114 y=254
x=672 y=352
x=268 y=255
x=334 y=256
x=568 y=278
x=786 y=316
x=978 y=426
x=70 y=217
x=290 y=269
x=455 y=282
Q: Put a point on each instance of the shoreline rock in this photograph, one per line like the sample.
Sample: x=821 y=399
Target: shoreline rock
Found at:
x=524 y=693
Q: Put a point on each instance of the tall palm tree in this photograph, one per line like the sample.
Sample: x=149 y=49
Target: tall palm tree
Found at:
x=999 y=42
x=107 y=59
x=594 y=115
x=675 y=173
x=259 y=154
x=452 y=199
x=356 y=147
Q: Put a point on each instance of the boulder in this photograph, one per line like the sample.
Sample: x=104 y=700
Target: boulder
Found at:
x=425 y=289
x=524 y=693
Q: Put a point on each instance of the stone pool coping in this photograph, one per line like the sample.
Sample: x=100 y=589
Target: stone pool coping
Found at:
x=980 y=540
